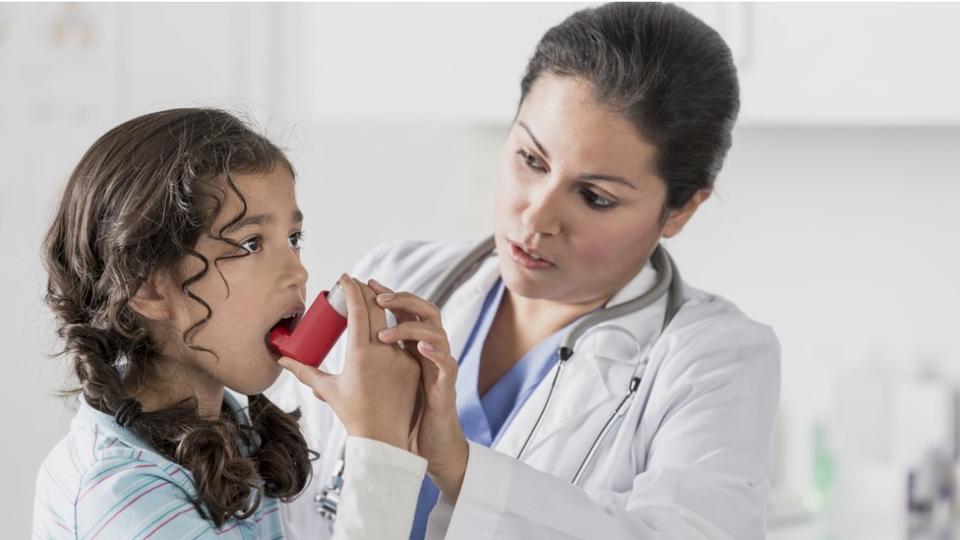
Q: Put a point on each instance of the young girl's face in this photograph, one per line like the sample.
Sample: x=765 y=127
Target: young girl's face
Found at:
x=255 y=292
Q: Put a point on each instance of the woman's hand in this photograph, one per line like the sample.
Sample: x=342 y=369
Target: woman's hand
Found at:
x=440 y=437
x=375 y=394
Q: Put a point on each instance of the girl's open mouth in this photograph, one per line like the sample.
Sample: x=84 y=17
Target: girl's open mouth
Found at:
x=288 y=323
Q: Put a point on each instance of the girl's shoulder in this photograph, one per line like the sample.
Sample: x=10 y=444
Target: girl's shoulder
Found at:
x=96 y=444
x=102 y=480
x=95 y=471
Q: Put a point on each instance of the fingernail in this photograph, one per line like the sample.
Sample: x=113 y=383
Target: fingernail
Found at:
x=385 y=297
x=426 y=346
x=385 y=334
x=284 y=363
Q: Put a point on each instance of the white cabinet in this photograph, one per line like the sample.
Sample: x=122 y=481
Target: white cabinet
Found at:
x=420 y=63
x=174 y=55
x=860 y=64
x=800 y=64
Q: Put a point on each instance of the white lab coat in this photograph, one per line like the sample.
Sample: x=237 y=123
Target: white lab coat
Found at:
x=690 y=459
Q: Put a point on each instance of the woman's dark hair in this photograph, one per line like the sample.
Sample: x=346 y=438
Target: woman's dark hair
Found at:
x=667 y=72
x=137 y=203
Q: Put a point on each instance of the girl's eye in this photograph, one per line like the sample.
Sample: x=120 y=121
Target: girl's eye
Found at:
x=252 y=245
x=296 y=239
x=596 y=201
x=531 y=161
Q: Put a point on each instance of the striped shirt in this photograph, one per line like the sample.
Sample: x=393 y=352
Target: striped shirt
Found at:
x=102 y=481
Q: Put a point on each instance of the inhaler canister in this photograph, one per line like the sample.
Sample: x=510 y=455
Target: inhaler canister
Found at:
x=317 y=331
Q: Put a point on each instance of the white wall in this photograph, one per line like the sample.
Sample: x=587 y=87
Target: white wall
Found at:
x=844 y=239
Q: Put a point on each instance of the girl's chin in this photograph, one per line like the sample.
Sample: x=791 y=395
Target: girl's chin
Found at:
x=256 y=383
x=252 y=388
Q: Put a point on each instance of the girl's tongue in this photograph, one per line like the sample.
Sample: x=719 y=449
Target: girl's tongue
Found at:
x=287 y=323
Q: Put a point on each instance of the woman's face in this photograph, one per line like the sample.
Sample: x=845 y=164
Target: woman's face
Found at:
x=577 y=188
x=264 y=285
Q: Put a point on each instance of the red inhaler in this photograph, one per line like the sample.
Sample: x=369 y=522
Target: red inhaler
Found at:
x=316 y=332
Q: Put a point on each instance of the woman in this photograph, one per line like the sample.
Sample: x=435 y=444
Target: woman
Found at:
x=661 y=423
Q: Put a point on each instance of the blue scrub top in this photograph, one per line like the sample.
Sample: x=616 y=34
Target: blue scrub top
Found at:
x=484 y=417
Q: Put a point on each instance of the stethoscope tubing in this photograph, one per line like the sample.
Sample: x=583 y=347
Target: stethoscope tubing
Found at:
x=668 y=283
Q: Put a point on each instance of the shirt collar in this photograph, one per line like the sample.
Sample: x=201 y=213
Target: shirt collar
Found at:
x=126 y=435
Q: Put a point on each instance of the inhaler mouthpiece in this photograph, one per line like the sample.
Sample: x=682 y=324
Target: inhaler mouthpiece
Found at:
x=317 y=331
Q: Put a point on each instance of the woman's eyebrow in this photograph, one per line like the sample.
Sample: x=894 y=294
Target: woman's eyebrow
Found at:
x=586 y=177
x=607 y=178
x=535 y=141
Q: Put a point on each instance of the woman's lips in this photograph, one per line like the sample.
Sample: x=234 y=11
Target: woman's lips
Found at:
x=525 y=260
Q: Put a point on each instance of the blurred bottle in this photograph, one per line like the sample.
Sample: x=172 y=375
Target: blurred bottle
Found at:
x=931 y=494
x=821 y=496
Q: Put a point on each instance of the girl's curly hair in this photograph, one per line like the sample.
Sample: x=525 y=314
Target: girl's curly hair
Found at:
x=137 y=203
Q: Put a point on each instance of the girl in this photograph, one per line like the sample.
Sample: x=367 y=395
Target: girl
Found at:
x=173 y=253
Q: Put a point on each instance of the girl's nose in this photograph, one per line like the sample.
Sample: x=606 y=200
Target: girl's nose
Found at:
x=295 y=274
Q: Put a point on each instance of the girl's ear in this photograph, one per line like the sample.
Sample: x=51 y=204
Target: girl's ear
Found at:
x=678 y=218
x=151 y=300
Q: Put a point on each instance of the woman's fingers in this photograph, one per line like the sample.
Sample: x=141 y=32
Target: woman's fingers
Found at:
x=358 y=319
x=407 y=304
x=446 y=364
x=380 y=289
x=321 y=382
x=376 y=314
x=419 y=322
x=412 y=332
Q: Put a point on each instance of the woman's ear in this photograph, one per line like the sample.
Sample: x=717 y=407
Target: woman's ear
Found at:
x=151 y=300
x=678 y=218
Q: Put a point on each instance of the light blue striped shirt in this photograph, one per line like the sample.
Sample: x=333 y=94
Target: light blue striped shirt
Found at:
x=102 y=481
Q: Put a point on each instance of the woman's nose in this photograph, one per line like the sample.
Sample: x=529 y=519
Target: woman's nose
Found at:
x=542 y=214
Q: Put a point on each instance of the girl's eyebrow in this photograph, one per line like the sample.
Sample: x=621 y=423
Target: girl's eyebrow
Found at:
x=261 y=219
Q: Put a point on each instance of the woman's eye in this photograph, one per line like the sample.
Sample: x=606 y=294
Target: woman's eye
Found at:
x=251 y=245
x=296 y=239
x=596 y=201
x=531 y=161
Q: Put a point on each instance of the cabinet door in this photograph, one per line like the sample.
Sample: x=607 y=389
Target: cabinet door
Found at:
x=420 y=63
x=799 y=64
x=198 y=54
x=855 y=64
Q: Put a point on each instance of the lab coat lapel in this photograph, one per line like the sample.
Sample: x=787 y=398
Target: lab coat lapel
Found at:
x=596 y=377
x=571 y=402
x=463 y=307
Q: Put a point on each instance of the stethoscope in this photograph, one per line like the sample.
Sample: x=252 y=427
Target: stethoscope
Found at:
x=668 y=283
